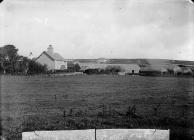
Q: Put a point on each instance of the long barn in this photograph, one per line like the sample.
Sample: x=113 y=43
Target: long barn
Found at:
x=126 y=68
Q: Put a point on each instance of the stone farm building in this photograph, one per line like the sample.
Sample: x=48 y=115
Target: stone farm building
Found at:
x=171 y=69
x=153 y=70
x=53 y=60
x=125 y=68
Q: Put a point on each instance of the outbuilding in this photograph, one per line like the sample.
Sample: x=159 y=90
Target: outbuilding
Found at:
x=153 y=70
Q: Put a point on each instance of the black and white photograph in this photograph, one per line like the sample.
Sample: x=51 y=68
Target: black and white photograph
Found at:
x=97 y=70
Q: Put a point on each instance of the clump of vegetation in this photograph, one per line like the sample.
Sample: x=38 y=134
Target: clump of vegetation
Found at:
x=71 y=67
x=13 y=63
x=35 y=68
x=8 y=57
x=113 y=69
x=107 y=70
x=156 y=109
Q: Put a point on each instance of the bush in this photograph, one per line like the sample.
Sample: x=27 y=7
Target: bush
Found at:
x=73 y=67
x=91 y=71
x=36 y=68
x=113 y=69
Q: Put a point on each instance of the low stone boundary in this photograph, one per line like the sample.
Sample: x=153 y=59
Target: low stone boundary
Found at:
x=98 y=134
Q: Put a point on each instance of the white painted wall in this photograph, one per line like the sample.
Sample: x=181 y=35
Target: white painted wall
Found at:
x=60 y=65
x=44 y=60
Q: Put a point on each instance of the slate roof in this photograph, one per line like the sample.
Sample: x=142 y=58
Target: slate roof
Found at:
x=85 y=66
x=159 y=68
x=54 y=56
x=124 y=67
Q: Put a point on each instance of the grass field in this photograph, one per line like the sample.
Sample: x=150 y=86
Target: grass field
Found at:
x=96 y=101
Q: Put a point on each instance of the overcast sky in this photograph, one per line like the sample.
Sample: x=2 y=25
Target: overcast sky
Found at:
x=100 y=28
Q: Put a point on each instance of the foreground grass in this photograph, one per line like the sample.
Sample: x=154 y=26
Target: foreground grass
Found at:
x=102 y=101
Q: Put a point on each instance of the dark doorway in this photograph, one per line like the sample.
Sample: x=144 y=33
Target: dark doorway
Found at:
x=133 y=72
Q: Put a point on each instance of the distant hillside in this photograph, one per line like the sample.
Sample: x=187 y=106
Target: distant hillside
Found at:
x=139 y=61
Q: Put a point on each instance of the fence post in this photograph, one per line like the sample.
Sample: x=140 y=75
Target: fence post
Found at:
x=95 y=133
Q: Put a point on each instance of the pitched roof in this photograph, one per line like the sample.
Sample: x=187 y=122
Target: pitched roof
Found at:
x=158 y=68
x=124 y=67
x=85 y=66
x=54 y=56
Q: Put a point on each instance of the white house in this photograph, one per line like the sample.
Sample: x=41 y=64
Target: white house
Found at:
x=54 y=61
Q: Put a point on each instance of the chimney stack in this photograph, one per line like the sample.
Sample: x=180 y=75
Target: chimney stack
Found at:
x=50 y=50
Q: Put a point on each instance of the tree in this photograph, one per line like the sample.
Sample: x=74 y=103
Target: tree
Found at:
x=35 y=67
x=14 y=63
x=8 y=57
x=113 y=69
x=73 y=67
x=77 y=67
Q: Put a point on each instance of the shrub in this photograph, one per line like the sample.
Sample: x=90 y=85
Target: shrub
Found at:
x=71 y=67
x=36 y=68
x=113 y=69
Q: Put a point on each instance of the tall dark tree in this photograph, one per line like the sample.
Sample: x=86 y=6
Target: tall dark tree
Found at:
x=77 y=67
x=8 y=57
